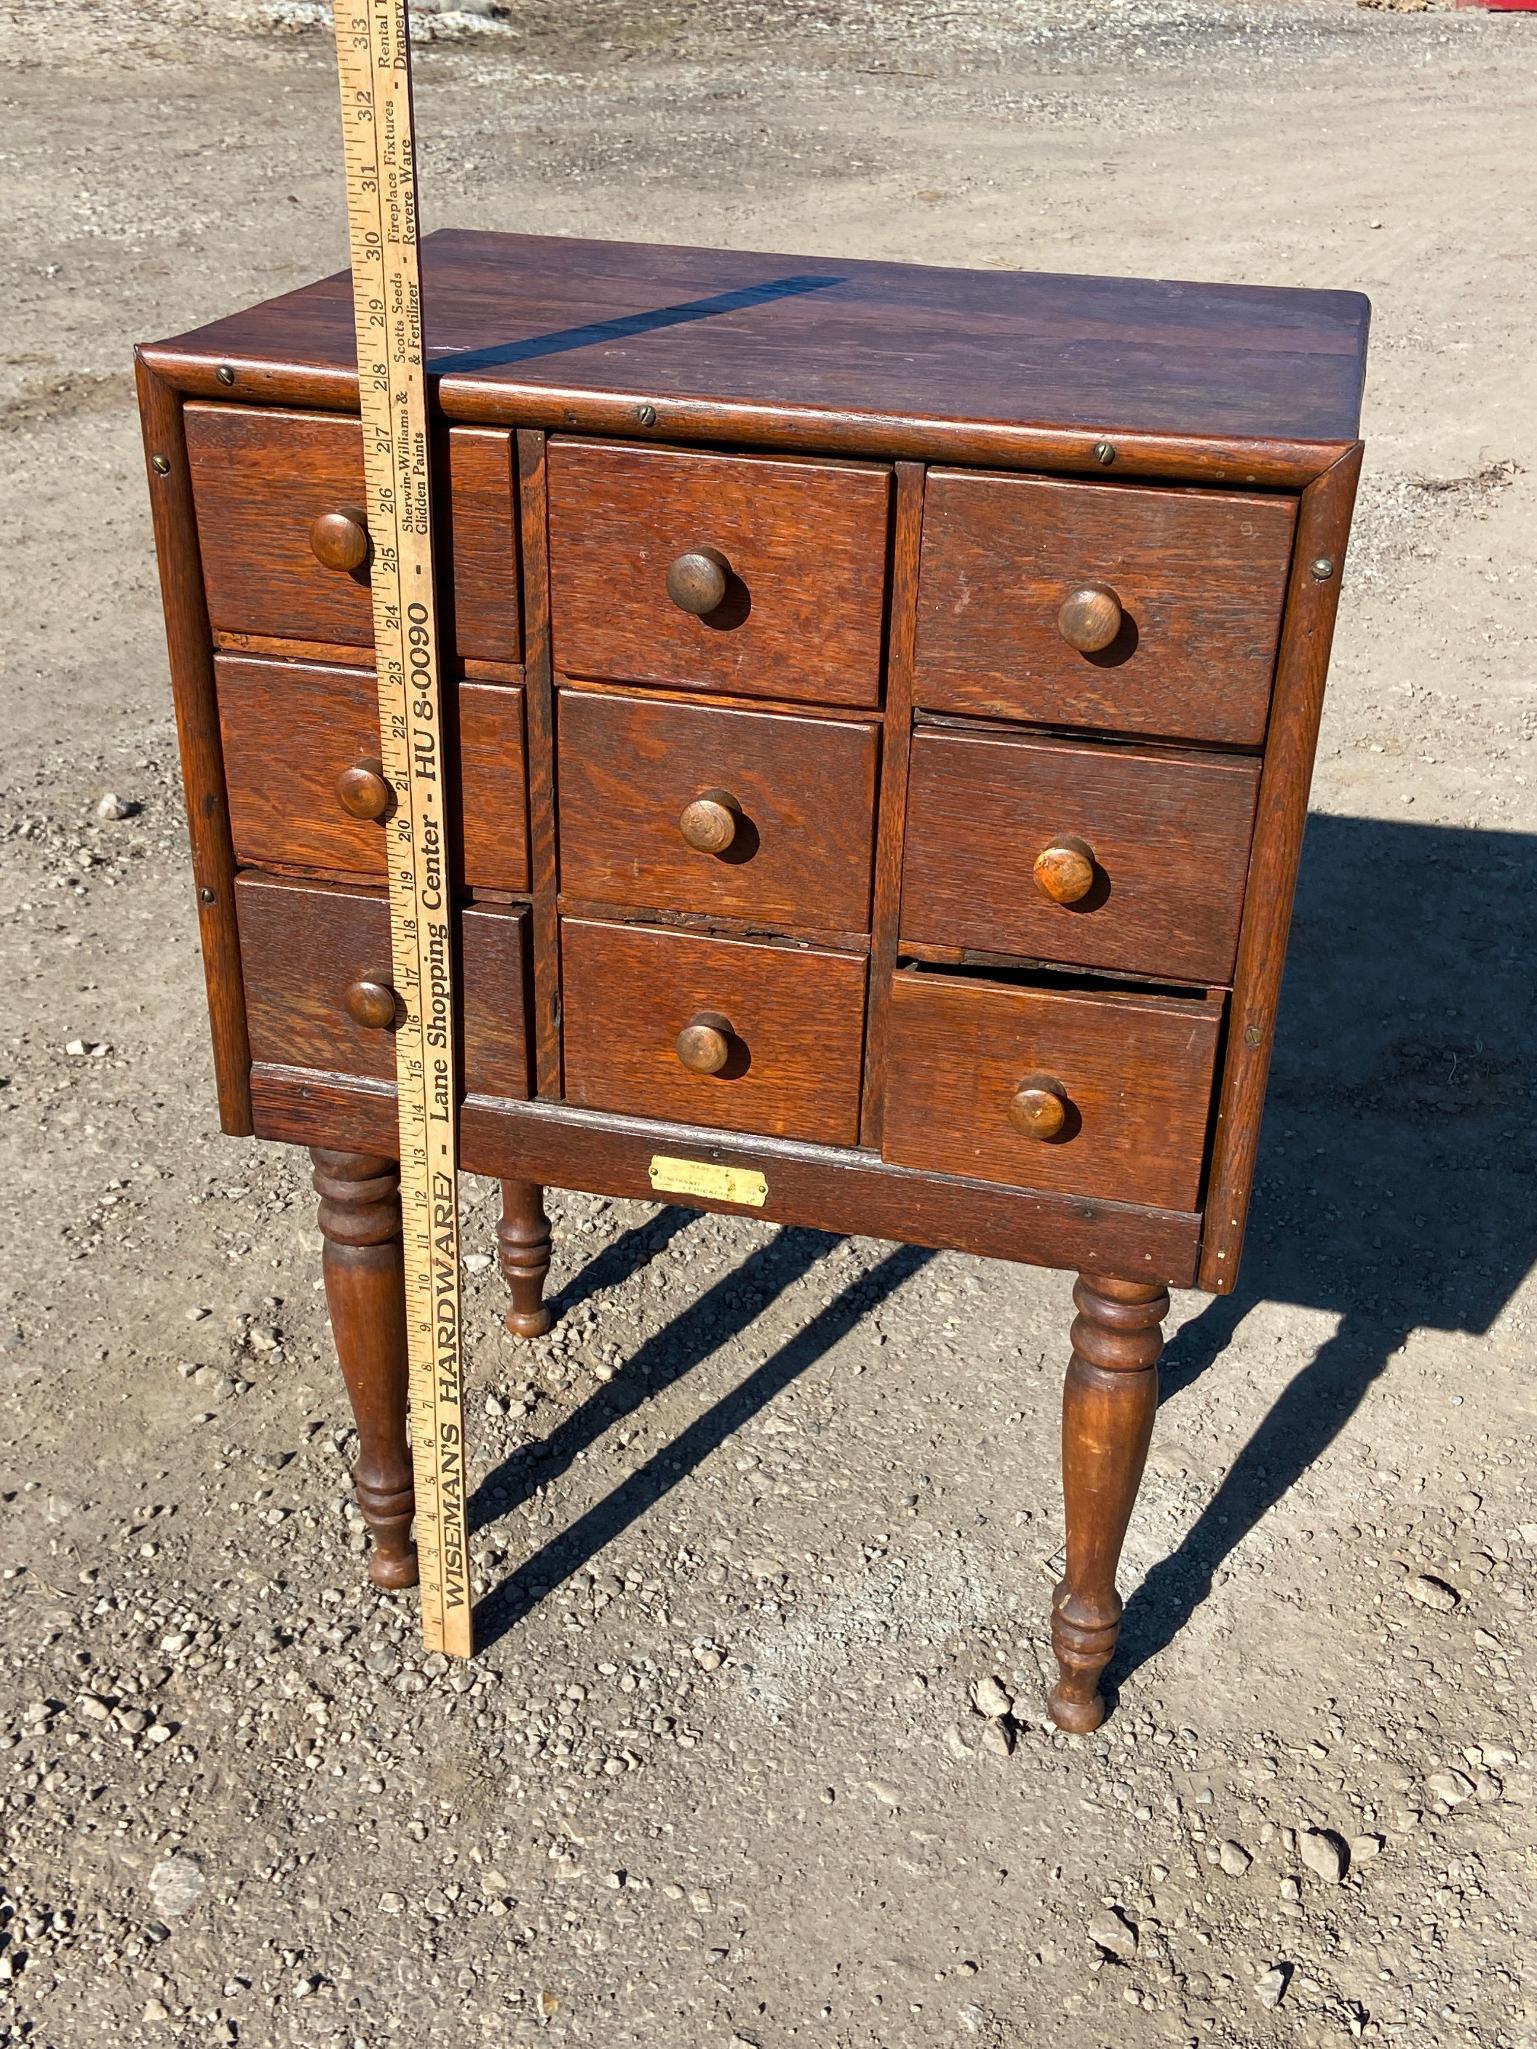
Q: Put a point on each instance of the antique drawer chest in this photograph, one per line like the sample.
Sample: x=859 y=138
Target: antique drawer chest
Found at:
x=883 y=702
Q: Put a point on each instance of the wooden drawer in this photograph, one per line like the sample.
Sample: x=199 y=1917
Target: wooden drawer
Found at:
x=804 y=551
x=1133 y=1072
x=1199 y=577
x=793 y=800
x=262 y=477
x=792 y=1030
x=304 y=944
x=1161 y=853
x=290 y=729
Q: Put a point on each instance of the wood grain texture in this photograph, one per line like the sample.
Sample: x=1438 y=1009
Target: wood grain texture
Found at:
x=1323 y=532
x=291 y=728
x=800 y=846
x=305 y=944
x=1136 y=1072
x=197 y=733
x=906 y=542
x=1200 y=576
x=1193 y=380
x=539 y=688
x=261 y=478
x=821 y=1187
x=796 y=1017
x=1109 y=1400
x=1169 y=835
x=806 y=546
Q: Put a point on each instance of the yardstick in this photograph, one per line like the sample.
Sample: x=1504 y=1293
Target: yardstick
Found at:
x=374 y=60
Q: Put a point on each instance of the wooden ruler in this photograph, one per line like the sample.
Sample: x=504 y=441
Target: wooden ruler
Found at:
x=374 y=59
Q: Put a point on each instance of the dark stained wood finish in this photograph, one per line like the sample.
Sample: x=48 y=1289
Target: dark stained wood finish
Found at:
x=1200 y=577
x=797 y=851
x=1323 y=532
x=292 y=729
x=366 y=1294
x=1136 y=1072
x=1108 y=1404
x=906 y=542
x=1169 y=836
x=523 y=1252
x=197 y=733
x=805 y=595
x=261 y=478
x=305 y=944
x=796 y=1022
x=1198 y=381
x=543 y=857
x=824 y=1188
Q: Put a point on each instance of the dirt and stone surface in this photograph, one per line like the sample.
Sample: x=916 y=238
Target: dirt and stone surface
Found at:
x=754 y=1753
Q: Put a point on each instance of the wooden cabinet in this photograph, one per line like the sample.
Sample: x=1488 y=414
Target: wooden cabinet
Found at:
x=879 y=707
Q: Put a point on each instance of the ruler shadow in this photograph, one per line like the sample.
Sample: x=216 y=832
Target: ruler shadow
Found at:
x=723 y=1312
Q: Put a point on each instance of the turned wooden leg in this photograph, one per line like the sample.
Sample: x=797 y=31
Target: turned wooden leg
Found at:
x=366 y=1294
x=1107 y=1422
x=523 y=1247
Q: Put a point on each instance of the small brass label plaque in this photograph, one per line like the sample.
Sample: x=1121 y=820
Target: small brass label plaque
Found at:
x=701 y=1177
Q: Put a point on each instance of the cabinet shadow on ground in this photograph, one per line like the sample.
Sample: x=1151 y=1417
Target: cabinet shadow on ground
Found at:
x=1394 y=1191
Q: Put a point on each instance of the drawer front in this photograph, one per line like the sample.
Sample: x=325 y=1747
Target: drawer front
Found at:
x=696 y=808
x=304 y=948
x=293 y=730
x=1191 y=583
x=261 y=478
x=1101 y=857
x=1130 y=1078
x=801 y=550
x=784 y=1029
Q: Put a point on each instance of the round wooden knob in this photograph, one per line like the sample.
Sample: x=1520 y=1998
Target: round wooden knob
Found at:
x=1038 y=1106
x=1064 y=871
x=362 y=790
x=339 y=539
x=1090 y=618
x=704 y=1044
x=371 y=1003
x=696 y=582
x=709 y=824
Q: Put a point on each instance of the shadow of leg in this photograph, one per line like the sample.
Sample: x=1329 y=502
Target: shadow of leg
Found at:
x=626 y=1256
x=1303 y=1423
x=506 y=1606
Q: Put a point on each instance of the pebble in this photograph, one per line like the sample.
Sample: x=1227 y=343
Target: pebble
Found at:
x=1114 y=1934
x=1323 y=1854
x=1234 y=1858
x=87 y=1049
x=1270 y=1989
x=991 y=1699
x=888 y=1795
x=391 y=1903
x=1431 y=1592
x=708 y=1658
x=91 y=1708
x=1364 y=1847
x=115 y=807
x=998 y=1737
x=1450 y=1786
x=177 y=1883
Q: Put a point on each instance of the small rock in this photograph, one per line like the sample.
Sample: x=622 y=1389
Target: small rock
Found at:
x=1432 y=1593
x=115 y=807
x=1324 y=1854
x=1450 y=1786
x=888 y=1795
x=177 y=1883
x=87 y=1049
x=1270 y=1990
x=91 y=1708
x=1234 y=1858
x=391 y=1903
x=475 y=1262
x=1364 y=1847
x=709 y=1658
x=990 y=1699
x=998 y=1737
x=1111 y=1932
x=156 y=2010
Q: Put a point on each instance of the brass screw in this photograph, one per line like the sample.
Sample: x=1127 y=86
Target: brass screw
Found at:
x=225 y=373
x=207 y=896
x=1322 y=568
x=161 y=465
x=646 y=415
x=1104 y=453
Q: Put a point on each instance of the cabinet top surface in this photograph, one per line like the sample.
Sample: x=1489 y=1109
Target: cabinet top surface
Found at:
x=863 y=341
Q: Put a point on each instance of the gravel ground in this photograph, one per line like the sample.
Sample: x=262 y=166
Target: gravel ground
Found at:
x=754 y=1753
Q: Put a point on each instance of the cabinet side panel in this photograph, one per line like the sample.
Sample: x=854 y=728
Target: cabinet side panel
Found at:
x=190 y=648
x=1323 y=529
